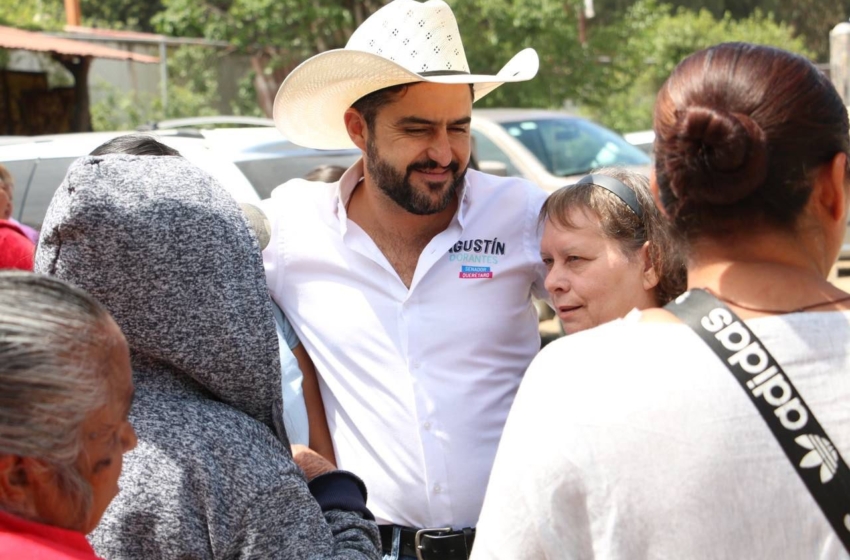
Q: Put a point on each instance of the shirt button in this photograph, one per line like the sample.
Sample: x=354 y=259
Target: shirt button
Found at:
x=427 y=425
x=437 y=489
x=415 y=365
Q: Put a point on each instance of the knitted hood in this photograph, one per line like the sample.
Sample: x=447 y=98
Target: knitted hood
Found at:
x=167 y=250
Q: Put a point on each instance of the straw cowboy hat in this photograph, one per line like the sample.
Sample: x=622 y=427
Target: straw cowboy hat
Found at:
x=405 y=41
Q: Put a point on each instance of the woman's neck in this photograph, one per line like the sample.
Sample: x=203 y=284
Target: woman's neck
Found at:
x=767 y=272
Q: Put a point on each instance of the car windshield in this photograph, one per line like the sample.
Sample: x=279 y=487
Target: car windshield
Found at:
x=572 y=146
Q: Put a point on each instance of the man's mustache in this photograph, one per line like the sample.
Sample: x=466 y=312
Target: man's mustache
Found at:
x=430 y=164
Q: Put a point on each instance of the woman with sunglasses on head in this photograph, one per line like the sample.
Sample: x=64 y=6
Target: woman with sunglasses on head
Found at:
x=714 y=428
x=607 y=250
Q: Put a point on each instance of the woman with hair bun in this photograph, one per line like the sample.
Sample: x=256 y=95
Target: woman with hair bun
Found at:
x=715 y=427
x=607 y=250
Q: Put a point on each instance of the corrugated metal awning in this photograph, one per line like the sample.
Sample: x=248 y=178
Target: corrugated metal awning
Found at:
x=12 y=38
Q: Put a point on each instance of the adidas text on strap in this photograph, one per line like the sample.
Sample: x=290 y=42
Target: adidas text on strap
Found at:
x=815 y=458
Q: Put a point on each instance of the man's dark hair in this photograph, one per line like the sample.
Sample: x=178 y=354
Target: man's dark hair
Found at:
x=369 y=104
x=134 y=145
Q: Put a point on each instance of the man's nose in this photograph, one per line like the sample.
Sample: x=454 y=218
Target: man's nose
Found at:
x=440 y=149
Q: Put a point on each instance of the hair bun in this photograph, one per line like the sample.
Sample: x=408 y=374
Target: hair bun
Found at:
x=723 y=156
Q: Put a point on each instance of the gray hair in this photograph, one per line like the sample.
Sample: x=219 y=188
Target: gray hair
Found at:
x=52 y=337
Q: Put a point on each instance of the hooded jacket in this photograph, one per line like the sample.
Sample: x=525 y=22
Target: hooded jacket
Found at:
x=167 y=250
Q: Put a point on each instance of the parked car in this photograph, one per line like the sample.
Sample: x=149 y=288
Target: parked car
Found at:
x=265 y=157
x=39 y=164
x=550 y=148
x=249 y=162
x=643 y=139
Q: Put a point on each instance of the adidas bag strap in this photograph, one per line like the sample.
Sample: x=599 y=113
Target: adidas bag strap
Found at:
x=795 y=427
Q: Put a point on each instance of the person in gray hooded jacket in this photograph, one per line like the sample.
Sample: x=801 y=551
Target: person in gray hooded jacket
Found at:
x=168 y=252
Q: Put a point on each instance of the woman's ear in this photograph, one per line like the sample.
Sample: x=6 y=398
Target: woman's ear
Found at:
x=832 y=188
x=649 y=275
x=15 y=483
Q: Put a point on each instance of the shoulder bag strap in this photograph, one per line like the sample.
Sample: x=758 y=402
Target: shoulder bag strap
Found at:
x=795 y=427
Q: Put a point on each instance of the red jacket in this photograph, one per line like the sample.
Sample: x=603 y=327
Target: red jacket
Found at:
x=16 y=250
x=20 y=538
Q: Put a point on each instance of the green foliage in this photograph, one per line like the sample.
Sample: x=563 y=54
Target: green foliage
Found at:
x=650 y=41
x=33 y=14
x=118 y=110
x=192 y=91
x=120 y=14
x=246 y=100
x=810 y=19
x=291 y=29
x=495 y=30
x=633 y=45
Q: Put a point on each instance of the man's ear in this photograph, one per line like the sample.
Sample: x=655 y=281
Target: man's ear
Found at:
x=356 y=127
x=649 y=275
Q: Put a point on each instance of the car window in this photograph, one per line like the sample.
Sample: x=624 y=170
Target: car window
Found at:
x=36 y=180
x=486 y=150
x=572 y=146
x=35 y=183
x=266 y=174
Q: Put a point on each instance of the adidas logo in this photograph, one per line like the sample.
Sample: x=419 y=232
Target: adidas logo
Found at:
x=822 y=454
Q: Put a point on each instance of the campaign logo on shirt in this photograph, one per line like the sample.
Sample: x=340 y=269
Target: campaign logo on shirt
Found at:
x=475 y=272
x=471 y=252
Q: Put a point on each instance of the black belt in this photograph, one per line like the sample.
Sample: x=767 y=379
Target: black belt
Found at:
x=430 y=544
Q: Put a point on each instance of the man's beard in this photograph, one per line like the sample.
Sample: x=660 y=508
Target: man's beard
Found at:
x=398 y=188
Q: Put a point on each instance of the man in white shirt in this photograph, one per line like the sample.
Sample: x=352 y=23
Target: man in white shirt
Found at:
x=410 y=280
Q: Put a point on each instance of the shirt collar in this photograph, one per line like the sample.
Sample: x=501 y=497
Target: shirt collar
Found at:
x=352 y=177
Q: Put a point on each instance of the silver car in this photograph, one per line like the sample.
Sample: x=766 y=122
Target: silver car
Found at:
x=248 y=162
x=550 y=148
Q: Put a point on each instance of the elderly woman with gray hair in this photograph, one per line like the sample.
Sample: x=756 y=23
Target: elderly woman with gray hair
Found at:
x=65 y=394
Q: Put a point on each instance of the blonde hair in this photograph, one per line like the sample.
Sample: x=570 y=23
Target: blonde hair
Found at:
x=6 y=180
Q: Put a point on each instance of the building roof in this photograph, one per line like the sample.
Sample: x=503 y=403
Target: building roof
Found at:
x=12 y=38
x=114 y=35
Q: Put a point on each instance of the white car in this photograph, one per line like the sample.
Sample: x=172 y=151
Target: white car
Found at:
x=248 y=162
x=643 y=139
x=550 y=148
x=39 y=165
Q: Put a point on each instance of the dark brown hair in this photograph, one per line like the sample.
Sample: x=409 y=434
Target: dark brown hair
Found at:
x=740 y=130
x=134 y=145
x=617 y=221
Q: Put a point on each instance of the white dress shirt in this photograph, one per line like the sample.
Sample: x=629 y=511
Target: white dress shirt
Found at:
x=417 y=382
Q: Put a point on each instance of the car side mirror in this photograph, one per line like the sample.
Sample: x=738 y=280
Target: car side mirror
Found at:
x=496 y=168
